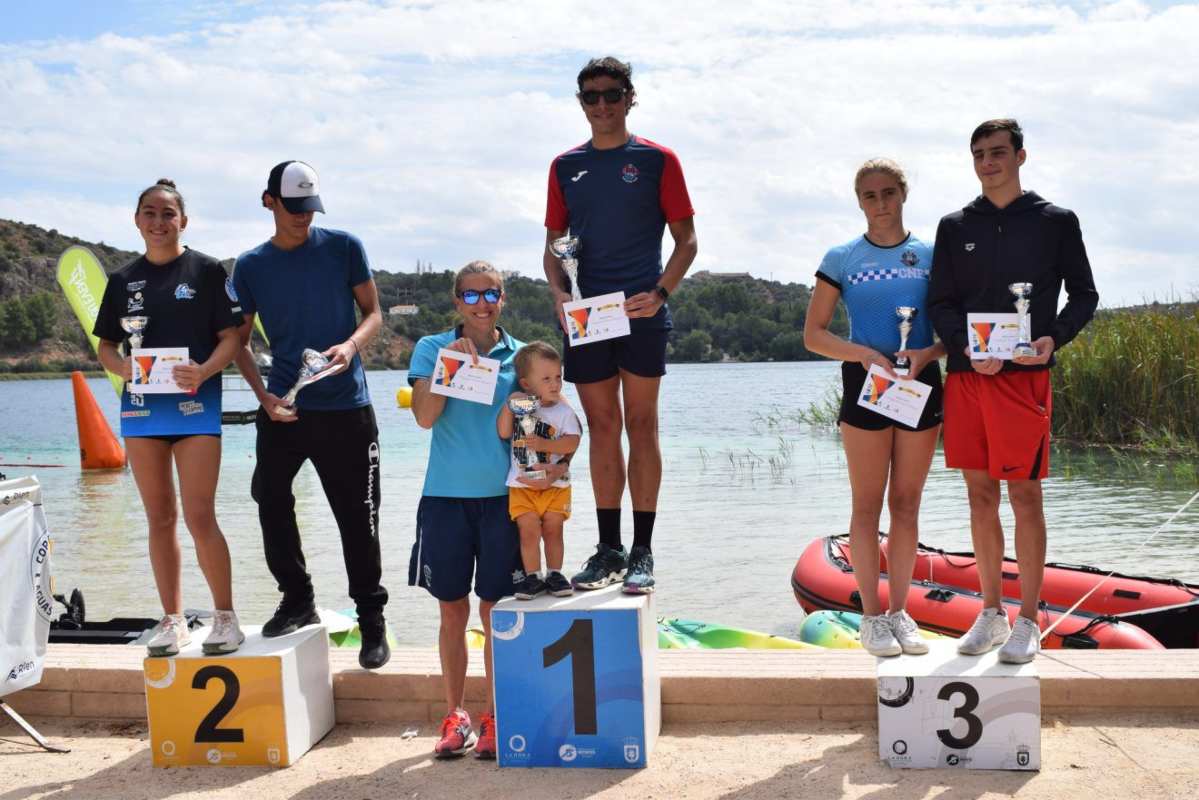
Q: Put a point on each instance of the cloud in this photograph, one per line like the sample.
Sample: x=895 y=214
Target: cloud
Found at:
x=433 y=125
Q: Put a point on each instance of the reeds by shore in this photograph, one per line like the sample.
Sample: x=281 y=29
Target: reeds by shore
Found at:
x=1131 y=379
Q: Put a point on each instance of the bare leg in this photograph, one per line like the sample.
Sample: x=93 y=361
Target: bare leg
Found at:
x=451 y=646
x=641 y=424
x=485 y=607
x=601 y=405
x=868 y=455
x=151 y=463
x=1025 y=497
x=530 y=541
x=198 y=462
x=986 y=533
x=551 y=533
x=911 y=457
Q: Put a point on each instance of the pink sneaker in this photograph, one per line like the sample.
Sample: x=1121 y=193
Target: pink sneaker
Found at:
x=485 y=747
x=456 y=735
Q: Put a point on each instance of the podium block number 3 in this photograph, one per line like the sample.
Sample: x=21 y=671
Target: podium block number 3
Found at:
x=974 y=725
x=209 y=729
x=579 y=644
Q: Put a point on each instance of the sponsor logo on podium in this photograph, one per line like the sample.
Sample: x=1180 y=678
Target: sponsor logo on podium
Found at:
x=568 y=752
x=1022 y=756
x=632 y=751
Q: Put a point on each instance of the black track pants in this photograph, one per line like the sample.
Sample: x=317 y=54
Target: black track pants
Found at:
x=344 y=448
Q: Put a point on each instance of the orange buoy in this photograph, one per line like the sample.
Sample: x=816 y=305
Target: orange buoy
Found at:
x=98 y=447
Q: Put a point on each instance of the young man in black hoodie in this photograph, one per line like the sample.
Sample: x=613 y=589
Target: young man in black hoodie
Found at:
x=997 y=412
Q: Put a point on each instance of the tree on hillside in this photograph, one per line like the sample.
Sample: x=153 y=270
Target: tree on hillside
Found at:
x=16 y=329
x=42 y=314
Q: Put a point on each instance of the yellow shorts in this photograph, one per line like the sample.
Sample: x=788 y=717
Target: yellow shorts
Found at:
x=538 y=501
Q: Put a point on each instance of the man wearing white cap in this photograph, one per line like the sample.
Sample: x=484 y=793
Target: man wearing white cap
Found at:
x=304 y=283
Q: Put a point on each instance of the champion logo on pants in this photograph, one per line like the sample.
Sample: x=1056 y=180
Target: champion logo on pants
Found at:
x=372 y=457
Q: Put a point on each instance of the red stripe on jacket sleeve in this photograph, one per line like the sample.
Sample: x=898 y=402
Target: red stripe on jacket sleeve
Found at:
x=557 y=215
x=672 y=194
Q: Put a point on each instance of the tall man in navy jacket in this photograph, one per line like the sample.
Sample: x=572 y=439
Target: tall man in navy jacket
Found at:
x=618 y=193
x=997 y=412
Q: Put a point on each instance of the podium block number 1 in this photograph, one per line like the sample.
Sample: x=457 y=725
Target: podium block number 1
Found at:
x=579 y=644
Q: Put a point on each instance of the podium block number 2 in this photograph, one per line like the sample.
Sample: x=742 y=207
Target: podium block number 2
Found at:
x=209 y=730
x=579 y=644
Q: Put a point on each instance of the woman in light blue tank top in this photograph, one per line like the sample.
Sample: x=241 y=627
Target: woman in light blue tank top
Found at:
x=877 y=274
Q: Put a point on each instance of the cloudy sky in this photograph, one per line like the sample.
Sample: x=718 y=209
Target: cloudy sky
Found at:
x=433 y=124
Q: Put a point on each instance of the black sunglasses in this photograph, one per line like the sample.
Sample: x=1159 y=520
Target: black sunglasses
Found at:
x=471 y=296
x=611 y=96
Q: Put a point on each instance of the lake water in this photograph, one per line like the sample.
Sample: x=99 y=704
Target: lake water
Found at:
x=740 y=499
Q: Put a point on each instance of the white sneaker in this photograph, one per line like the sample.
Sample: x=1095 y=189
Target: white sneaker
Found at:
x=171 y=634
x=904 y=629
x=1023 y=643
x=226 y=635
x=877 y=638
x=990 y=628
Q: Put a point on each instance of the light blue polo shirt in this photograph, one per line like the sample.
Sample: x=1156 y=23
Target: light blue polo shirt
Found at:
x=467 y=458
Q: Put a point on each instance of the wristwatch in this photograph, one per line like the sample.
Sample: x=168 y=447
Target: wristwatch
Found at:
x=663 y=292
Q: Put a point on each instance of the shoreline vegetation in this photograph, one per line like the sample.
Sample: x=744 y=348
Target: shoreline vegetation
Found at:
x=1129 y=382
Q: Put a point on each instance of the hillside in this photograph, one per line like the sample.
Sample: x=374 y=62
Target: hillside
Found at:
x=718 y=316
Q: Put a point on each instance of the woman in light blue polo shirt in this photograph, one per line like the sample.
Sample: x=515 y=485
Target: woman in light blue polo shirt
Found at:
x=463 y=529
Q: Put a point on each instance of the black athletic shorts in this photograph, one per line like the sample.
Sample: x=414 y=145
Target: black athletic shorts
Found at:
x=642 y=353
x=853 y=376
x=173 y=439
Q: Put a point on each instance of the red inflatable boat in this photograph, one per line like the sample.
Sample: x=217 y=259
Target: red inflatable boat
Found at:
x=1064 y=583
x=823 y=578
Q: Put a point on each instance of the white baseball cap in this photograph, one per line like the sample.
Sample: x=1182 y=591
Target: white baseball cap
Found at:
x=296 y=185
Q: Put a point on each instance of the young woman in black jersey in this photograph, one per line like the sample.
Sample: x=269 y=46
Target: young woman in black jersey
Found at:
x=185 y=301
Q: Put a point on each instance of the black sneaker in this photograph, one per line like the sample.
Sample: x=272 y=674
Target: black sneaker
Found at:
x=606 y=565
x=557 y=585
x=289 y=618
x=375 y=651
x=640 y=577
x=530 y=587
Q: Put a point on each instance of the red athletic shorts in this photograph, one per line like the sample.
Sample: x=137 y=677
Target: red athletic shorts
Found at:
x=999 y=423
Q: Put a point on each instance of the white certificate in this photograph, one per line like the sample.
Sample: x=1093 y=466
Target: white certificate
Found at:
x=594 y=319
x=992 y=335
x=456 y=376
x=153 y=369
x=900 y=400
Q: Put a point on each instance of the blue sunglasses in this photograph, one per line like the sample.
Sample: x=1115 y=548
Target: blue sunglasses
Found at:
x=471 y=296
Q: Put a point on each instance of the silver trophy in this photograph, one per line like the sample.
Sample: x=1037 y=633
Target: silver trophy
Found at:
x=1023 y=348
x=566 y=248
x=136 y=328
x=524 y=409
x=906 y=314
x=314 y=366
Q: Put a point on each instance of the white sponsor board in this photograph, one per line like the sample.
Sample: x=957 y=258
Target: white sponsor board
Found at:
x=26 y=601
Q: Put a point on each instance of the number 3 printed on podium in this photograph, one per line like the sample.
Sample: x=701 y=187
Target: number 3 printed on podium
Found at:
x=974 y=725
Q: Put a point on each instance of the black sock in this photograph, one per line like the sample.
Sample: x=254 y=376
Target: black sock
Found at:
x=643 y=528
x=609 y=526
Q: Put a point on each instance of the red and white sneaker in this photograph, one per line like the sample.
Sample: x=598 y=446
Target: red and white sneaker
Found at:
x=456 y=735
x=485 y=747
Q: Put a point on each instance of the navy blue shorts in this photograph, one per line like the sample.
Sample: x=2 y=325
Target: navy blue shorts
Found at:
x=458 y=538
x=642 y=353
